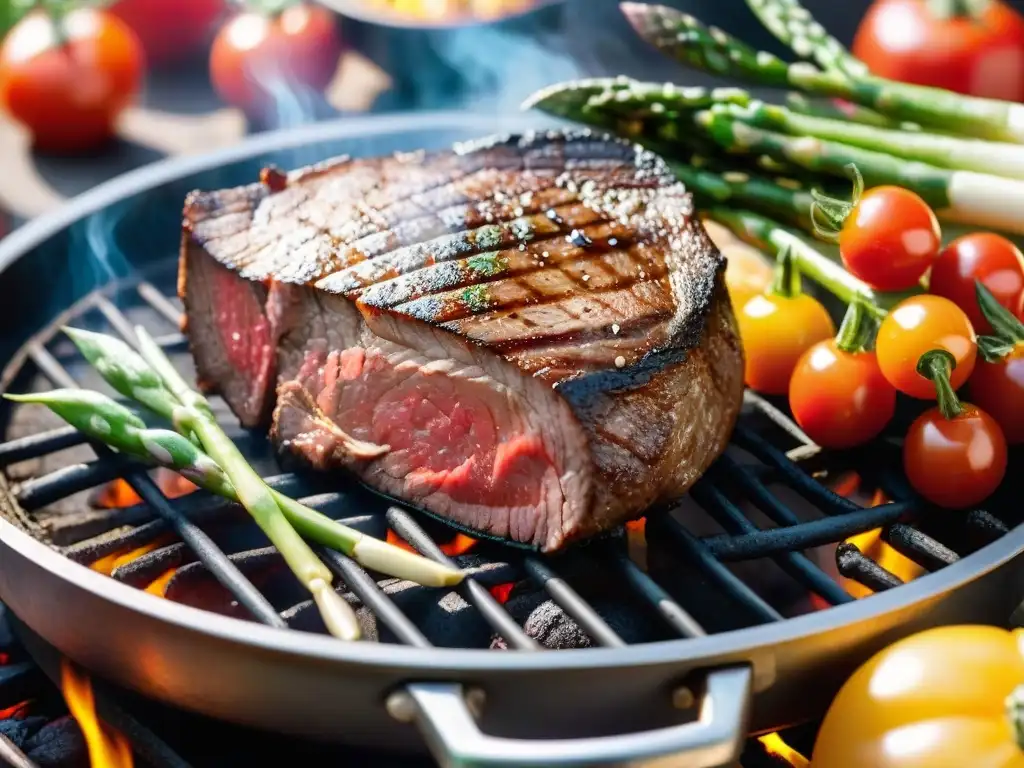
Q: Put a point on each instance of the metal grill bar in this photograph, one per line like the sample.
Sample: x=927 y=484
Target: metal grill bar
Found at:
x=919 y=547
x=854 y=564
x=673 y=613
x=152 y=296
x=194 y=536
x=30 y=446
x=12 y=756
x=471 y=591
x=61 y=483
x=570 y=601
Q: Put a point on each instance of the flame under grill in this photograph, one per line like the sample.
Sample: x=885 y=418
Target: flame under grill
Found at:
x=768 y=500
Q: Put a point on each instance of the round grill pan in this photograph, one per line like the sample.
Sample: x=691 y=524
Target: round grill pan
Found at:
x=680 y=702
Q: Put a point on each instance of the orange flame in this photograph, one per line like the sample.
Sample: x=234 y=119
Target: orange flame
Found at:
x=158 y=586
x=108 y=748
x=502 y=592
x=775 y=746
x=118 y=494
x=108 y=563
x=19 y=711
x=460 y=545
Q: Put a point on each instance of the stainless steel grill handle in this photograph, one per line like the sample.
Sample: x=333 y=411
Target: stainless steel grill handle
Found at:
x=714 y=739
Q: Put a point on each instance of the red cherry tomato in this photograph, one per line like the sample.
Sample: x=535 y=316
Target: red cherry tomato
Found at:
x=169 y=30
x=998 y=388
x=955 y=463
x=776 y=330
x=256 y=56
x=915 y=326
x=979 y=54
x=840 y=399
x=890 y=238
x=984 y=256
x=70 y=95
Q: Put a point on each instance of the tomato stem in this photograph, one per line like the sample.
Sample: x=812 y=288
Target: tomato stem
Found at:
x=937 y=365
x=787 y=277
x=958 y=9
x=1015 y=711
x=857 y=332
x=829 y=214
x=1008 y=331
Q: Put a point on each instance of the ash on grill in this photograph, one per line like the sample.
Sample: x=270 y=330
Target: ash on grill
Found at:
x=760 y=537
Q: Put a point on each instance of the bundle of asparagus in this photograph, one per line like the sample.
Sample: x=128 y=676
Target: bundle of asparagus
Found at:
x=200 y=451
x=962 y=155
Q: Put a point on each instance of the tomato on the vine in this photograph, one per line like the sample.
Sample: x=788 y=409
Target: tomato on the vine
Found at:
x=256 y=54
x=170 y=29
x=890 y=238
x=777 y=327
x=837 y=392
x=955 y=462
x=998 y=388
x=985 y=256
x=969 y=47
x=918 y=325
x=67 y=80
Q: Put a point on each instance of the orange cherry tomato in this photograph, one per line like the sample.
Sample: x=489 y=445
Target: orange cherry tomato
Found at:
x=747 y=272
x=978 y=50
x=70 y=94
x=255 y=56
x=776 y=330
x=840 y=399
x=936 y=699
x=890 y=238
x=915 y=326
x=955 y=463
x=984 y=256
x=998 y=388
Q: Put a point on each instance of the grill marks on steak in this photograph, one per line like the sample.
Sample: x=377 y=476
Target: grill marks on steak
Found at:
x=534 y=328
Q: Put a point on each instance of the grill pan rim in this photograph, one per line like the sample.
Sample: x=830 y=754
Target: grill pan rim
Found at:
x=751 y=640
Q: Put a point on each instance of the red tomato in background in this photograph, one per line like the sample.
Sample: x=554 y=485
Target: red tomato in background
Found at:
x=909 y=41
x=70 y=94
x=169 y=30
x=254 y=54
x=984 y=256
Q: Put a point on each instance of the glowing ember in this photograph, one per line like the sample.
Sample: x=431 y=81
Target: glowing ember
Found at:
x=107 y=564
x=502 y=592
x=118 y=494
x=108 y=748
x=460 y=545
x=776 y=747
x=636 y=541
x=18 y=712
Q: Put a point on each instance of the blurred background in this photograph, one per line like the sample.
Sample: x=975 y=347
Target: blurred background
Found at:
x=215 y=70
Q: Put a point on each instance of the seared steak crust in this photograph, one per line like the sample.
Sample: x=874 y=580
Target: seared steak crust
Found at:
x=527 y=335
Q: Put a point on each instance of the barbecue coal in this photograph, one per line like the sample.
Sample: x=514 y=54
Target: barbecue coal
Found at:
x=426 y=322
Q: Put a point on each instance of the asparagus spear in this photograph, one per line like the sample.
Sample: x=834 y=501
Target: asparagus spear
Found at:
x=794 y=25
x=773 y=238
x=996 y=158
x=836 y=109
x=682 y=37
x=107 y=421
x=960 y=196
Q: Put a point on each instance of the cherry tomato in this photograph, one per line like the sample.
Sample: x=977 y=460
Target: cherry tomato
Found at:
x=955 y=463
x=890 y=238
x=255 y=55
x=979 y=53
x=998 y=388
x=984 y=256
x=747 y=272
x=70 y=95
x=918 y=325
x=840 y=399
x=170 y=30
x=776 y=330
x=936 y=699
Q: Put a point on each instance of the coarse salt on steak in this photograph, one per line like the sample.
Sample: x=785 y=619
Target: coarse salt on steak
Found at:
x=528 y=336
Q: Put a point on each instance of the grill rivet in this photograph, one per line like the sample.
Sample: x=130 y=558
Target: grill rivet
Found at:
x=400 y=706
x=683 y=698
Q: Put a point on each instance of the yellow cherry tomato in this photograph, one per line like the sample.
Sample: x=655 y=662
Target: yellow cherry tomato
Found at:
x=938 y=699
x=776 y=330
x=747 y=272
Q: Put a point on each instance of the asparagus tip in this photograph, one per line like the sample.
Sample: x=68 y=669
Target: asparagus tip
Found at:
x=379 y=556
x=338 y=616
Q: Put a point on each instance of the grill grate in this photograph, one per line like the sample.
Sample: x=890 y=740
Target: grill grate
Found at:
x=766 y=485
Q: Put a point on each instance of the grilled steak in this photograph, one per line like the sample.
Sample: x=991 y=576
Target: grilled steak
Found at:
x=528 y=336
